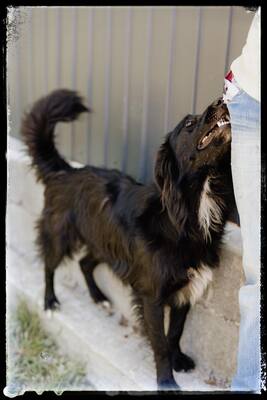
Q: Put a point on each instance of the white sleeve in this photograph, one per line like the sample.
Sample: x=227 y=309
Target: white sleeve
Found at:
x=246 y=68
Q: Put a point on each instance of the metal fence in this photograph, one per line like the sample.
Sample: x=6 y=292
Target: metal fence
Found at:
x=140 y=69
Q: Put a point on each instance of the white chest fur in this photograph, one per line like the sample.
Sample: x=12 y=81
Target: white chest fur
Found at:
x=192 y=292
x=199 y=280
x=209 y=213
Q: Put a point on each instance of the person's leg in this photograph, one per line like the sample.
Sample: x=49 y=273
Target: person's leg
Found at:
x=246 y=167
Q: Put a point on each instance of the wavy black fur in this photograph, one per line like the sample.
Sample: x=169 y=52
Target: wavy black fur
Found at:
x=150 y=235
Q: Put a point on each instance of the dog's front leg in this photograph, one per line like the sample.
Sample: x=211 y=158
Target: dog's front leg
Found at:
x=180 y=361
x=154 y=324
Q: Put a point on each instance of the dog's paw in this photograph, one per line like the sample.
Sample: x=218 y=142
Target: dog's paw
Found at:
x=182 y=362
x=168 y=385
x=51 y=303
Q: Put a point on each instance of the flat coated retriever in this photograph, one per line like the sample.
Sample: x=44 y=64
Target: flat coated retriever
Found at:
x=163 y=239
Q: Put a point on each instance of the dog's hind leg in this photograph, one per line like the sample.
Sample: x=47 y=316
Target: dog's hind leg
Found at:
x=88 y=264
x=51 y=302
x=180 y=361
x=52 y=253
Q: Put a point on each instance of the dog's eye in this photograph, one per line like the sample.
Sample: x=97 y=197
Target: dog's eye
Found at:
x=190 y=122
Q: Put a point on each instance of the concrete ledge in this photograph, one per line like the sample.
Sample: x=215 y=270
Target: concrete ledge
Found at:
x=85 y=330
x=117 y=357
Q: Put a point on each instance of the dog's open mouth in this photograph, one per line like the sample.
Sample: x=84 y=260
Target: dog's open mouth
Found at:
x=215 y=131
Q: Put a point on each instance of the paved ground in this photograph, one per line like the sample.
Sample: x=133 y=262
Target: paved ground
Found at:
x=117 y=357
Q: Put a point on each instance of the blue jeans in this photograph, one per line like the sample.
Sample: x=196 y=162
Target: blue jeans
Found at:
x=246 y=169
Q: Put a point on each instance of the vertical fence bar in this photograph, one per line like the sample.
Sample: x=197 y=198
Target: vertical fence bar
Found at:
x=229 y=35
x=58 y=46
x=170 y=70
x=17 y=44
x=107 y=84
x=30 y=57
x=58 y=62
x=90 y=79
x=199 y=29
x=73 y=70
x=45 y=32
x=143 y=145
x=127 y=51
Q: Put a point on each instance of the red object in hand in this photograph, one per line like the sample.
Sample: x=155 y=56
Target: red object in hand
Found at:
x=229 y=76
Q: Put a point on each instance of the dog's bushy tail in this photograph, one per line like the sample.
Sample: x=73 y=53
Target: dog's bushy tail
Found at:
x=38 y=129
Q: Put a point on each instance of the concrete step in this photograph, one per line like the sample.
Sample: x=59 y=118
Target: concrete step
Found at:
x=117 y=357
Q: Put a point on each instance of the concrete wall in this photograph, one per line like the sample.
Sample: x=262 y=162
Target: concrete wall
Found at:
x=211 y=330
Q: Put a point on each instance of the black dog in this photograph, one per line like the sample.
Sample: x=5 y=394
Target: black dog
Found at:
x=163 y=239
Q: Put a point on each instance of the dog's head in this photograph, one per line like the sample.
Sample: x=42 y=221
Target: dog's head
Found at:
x=199 y=143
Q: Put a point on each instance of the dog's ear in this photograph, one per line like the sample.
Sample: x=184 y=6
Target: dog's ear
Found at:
x=166 y=169
x=167 y=175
